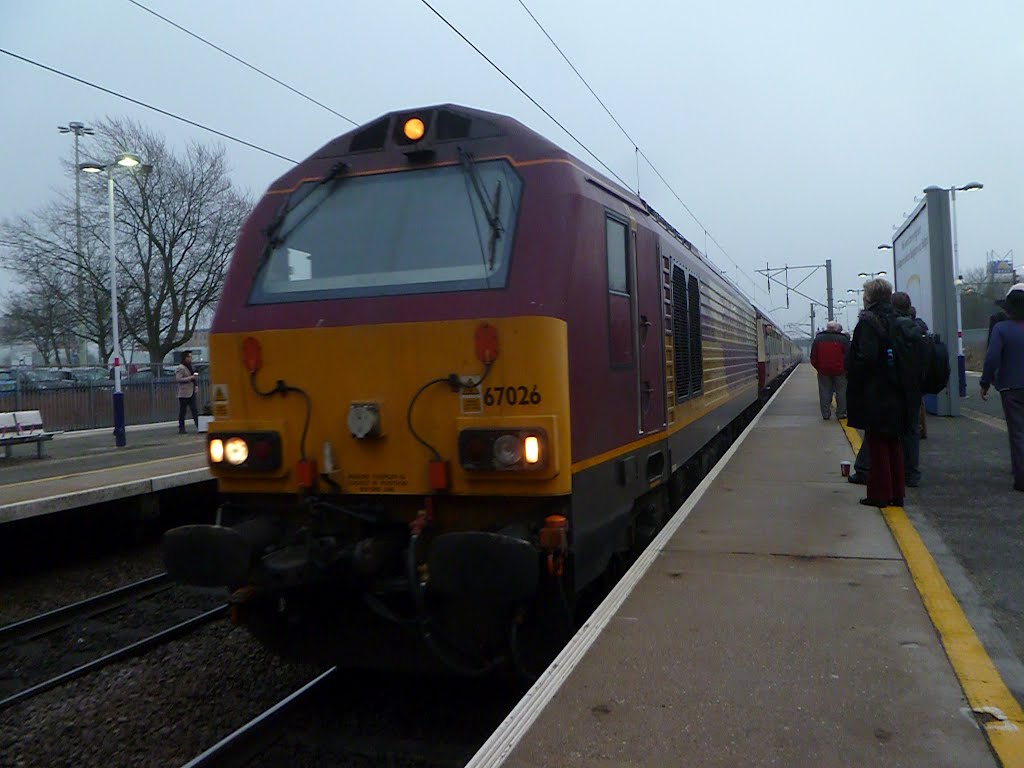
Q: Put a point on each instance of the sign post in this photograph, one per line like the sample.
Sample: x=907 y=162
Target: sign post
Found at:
x=923 y=268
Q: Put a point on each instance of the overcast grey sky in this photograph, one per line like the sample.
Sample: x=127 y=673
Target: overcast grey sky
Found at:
x=795 y=130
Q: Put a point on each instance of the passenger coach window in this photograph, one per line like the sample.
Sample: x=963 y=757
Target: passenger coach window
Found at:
x=620 y=314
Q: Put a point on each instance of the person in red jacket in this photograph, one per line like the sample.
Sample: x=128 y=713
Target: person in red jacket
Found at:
x=828 y=356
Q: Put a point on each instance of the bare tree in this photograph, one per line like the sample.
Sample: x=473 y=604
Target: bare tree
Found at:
x=177 y=228
x=38 y=316
x=40 y=250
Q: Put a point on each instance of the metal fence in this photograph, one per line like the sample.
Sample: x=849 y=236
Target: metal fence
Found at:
x=89 y=406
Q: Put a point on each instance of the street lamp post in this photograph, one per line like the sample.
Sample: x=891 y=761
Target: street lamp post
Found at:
x=958 y=282
x=846 y=304
x=130 y=161
x=79 y=130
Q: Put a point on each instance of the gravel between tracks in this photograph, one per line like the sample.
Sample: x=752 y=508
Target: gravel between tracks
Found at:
x=159 y=710
x=28 y=595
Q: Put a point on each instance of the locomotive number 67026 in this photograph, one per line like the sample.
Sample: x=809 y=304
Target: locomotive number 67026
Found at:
x=512 y=395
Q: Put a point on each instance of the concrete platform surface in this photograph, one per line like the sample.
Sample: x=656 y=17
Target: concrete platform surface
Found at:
x=778 y=626
x=973 y=523
x=80 y=470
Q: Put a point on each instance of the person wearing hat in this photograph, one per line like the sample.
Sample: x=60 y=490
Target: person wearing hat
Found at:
x=996 y=317
x=828 y=356
x=1004 y=366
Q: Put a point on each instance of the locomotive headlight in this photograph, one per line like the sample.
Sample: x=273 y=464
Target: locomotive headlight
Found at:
x=531 y=449
x=507 y=451
x=236 y=451
x=216 y=451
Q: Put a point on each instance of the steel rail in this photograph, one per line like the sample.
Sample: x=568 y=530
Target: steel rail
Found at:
x=164 y=636
x=43 y=623
x=238 y=748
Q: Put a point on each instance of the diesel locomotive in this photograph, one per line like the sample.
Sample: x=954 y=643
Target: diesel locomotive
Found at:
x=458 y=376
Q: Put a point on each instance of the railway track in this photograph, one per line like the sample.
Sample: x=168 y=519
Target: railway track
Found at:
x=241 y=747
x=348 y=718
x=33 y=642
x=26 y=629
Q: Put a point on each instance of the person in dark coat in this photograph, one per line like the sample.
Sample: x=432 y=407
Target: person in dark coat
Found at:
x=1004 y=365
x=910 y=439
x=876 y=396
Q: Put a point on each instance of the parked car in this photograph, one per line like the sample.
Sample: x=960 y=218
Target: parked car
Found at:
x=85 y=377
x=8 y=381
x=40 y=378
x=144 y=374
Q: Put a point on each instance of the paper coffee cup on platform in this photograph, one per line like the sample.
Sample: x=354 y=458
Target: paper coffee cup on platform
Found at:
x=844 y=468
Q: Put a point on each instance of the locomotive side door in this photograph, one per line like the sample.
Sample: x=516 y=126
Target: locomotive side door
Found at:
x=650 y=335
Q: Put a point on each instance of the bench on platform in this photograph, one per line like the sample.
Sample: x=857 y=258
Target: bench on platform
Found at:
x=22 y=427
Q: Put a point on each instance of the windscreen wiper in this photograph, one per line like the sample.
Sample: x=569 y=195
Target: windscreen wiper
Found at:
x=490 y=209
x=274 y=240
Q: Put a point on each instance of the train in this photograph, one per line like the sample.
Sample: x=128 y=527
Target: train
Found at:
x=458 y=379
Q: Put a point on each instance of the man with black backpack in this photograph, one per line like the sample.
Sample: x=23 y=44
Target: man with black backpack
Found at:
x=884 y=389
x=915 y=333
x=931 y=358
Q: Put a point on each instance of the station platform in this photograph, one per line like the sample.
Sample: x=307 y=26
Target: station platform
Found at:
x=777 y=622
x=85 y=468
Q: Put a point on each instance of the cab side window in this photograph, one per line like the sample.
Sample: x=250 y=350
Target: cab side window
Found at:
x=620 y=325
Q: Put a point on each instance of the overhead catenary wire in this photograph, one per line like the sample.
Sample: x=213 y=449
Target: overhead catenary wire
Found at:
x=633 y=141
x=519 y=88
x=242 y=61
x=143 y=104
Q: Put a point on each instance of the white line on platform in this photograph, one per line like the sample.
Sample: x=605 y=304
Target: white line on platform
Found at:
x=110 y=430
x=983 y=418
x=516 y=724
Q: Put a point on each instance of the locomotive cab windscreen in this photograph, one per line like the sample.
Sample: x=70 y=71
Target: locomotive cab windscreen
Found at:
x=435 y=229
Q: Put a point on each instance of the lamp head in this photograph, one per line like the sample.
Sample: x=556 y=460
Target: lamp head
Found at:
x=884 y=247
x=91 y=168
x=971 y=186
x=127 y=160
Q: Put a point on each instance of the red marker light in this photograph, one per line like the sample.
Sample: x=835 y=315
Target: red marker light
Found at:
x=486 y=340
x=252 y=354
x=261 y=450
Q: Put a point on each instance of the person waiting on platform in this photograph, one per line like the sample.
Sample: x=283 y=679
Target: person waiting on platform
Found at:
x=910 y=440
x=1004 y=364
x=882 y=393
x=828 y=355
x=186 y=378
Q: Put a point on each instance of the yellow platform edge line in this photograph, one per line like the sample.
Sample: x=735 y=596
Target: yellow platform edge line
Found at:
x=984 y=687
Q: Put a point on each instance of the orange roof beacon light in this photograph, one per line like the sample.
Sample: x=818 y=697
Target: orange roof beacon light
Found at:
x=414 y=129
x=252 y=354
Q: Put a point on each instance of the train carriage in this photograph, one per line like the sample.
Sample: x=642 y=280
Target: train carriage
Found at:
x=457 y=375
